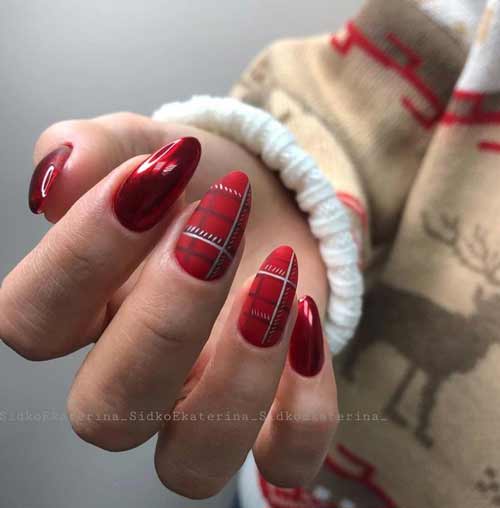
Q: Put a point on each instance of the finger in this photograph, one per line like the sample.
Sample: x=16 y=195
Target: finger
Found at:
x=142 y=360
x=296 y=436
x=54 y=301
x=240 y=381
x=72 y=156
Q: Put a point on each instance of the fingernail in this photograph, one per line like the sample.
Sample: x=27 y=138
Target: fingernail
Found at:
x=45 y=175
x=212 y=235
x=265 y=311
x=155 y=184
x=306 y=351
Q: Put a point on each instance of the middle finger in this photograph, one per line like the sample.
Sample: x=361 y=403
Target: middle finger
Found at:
x=141 y=361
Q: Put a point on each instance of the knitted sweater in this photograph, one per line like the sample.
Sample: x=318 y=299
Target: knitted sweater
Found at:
x=401 y=110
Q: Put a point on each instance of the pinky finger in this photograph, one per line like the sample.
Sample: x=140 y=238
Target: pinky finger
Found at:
x=299 y=428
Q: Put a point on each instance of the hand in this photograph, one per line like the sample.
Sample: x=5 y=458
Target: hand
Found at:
x=167 y=340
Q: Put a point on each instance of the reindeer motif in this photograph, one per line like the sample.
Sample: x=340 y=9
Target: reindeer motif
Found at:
x=434 y=340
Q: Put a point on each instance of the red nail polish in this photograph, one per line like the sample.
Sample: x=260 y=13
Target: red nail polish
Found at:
x=306 y=352
x=213 y=233
x=155 y=184
x=265 y=312
x=45 y=175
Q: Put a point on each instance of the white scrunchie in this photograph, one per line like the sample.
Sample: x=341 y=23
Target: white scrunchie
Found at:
x=264 y=136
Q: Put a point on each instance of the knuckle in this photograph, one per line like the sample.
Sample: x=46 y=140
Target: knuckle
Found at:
x=295 y=467
x=95 y=435
x=97 y=429
x=248 y=391
x=128 y=117
x=153 y=327
x=307 y=425
x=39 y=326
x=33 y=353
x=57 y=131
x=155 y=322
x=305 y=441
x=315 y=418
x=189 y=482
x=71 y=263
x=288 y=478
x=23 y=336
x=28 y=350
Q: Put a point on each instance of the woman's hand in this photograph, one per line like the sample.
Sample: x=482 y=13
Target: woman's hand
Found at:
x=187 y=344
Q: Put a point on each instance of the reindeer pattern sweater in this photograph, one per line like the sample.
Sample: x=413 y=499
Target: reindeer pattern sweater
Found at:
x=401 y=110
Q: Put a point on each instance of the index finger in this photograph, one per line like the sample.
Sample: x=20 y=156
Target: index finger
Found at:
x=54 y=301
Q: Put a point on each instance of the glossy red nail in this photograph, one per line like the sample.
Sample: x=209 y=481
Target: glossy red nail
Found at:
x=306 y=351
x=155 y=184
x=213 y=233
x=45 y=175
x=265 y=311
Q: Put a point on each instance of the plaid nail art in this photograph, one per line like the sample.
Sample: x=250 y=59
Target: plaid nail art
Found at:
x=267 y=306
x=213 y=233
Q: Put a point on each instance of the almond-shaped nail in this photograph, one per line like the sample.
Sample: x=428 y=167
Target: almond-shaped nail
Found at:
x=267 y=306
x=213 y=233
x=45 y=175
x=151 y=189
x=306 y=352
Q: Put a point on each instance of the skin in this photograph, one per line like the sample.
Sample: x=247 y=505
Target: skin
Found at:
x=165 y=341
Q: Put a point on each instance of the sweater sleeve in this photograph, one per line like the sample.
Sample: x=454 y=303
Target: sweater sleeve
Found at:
x=345 y=120
x=261 y=86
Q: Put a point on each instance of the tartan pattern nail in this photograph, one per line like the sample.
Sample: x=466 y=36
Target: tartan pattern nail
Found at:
x=213 y=233
x=265 y=312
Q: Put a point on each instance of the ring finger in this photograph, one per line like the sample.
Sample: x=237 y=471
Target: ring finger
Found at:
x=238 y=386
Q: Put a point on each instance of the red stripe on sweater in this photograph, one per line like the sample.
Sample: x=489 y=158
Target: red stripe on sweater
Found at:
x=355 y=205
x=476 y=113
x=489 y=146
x=355 y=37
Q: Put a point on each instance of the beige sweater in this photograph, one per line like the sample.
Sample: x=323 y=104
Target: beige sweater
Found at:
x=404 y=118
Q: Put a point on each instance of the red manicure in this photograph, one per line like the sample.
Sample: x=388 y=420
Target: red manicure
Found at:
x=306 y=352
x=155 y=184
x=265 y=312
x=212 y=235
x=45 y=175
